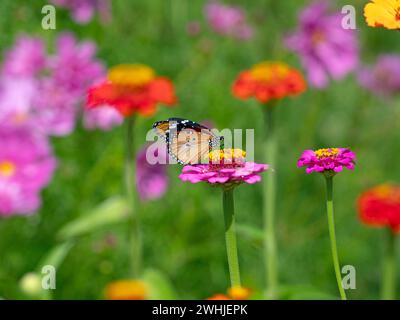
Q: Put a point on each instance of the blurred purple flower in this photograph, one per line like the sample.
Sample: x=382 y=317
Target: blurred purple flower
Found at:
x=325 y=48
x=151 y=179
x=26 y=167
x=104 y=118
x=383 y=78
x=82 y=11
x=26 y=58
x=228 y=20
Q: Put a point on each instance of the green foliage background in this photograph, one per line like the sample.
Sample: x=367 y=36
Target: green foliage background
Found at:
x=183 y=232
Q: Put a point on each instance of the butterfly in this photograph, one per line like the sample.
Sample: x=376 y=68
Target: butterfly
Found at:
x=188 y=142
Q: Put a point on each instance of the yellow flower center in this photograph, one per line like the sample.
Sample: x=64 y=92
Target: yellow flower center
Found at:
x=126 y=290
x=327 y=153
x=227 y=155
x=268 y=71
x=317 y=37
x=7 y=169
x=134 y=75
x=383 y=190
x=20 y=117
x=239 y=293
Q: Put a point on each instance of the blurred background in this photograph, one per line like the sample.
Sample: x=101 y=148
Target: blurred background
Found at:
x=183 y=227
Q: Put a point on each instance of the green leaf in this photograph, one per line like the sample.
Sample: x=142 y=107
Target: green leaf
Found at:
x=113 y=210
x=56 y=255
x=304 y=292
x=160 y=286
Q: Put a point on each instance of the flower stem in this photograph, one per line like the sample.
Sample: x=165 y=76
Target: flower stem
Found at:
x=389 y=268
x=269 y=207
x=331 y=225
x=230 y=237
x=130 y=175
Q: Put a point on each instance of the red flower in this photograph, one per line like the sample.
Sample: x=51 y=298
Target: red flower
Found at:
x=268 y=81
x=380 y=206
x=132 y=89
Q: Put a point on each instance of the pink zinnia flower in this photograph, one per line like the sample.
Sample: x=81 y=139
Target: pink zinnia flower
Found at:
x=82 y=11
x=328 y=160
x=26 y=167
x=104 y=118
x=229 y=171
x=151 y=179
x=325 y=48
x=383 y=78
x=228 y=20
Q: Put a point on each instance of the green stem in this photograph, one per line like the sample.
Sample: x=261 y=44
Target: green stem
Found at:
x=269 y=206
x=331 y=224
x=134 y=225
x=389 y=268
x=230 y=237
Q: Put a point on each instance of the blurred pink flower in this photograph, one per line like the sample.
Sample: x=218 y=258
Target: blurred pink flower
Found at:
x=227 y=173
x=151 y=179
x=16 y=95
x=330 y=160
x=325 y=48
x=383 y=78
x=228 y=20
x=54 y=109
x=104 y=118
x=49 y=101
x=82 y=11
x=26 y=58
x=26 y=167
x=74 y=66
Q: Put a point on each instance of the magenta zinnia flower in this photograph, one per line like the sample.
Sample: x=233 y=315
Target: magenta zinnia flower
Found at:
x=26 y=167
x=227 y=168
x=231 y=170
x=383 y=78
x=325 y=48
x=328 y=160
x=228 y=20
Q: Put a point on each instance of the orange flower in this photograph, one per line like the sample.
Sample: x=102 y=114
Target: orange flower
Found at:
x=126 y=290
x=219 y=296
x=380 y=206
x=383 y=13
x=239 y=293
x=268 y=81
x=234 y=293
x=132 y=88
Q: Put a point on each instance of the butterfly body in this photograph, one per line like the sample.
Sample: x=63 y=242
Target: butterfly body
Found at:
x=188 y=142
